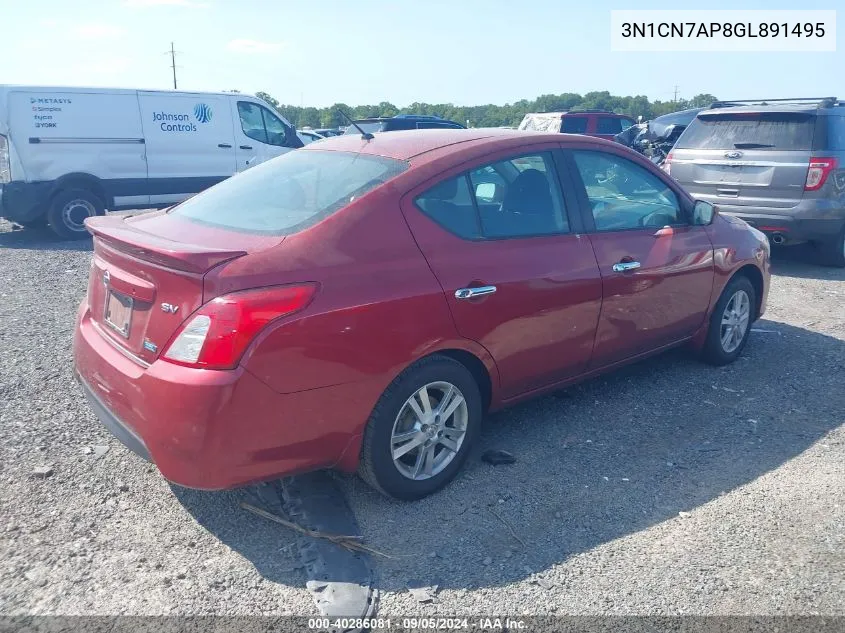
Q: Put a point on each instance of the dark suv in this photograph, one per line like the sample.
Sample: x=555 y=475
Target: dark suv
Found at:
x=777 y=164
x=402 y=122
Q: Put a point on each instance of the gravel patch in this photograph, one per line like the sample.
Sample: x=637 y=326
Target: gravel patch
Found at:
x=669 y=487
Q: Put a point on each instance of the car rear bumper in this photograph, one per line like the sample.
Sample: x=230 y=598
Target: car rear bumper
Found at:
x=817 y=222
x=208 y=429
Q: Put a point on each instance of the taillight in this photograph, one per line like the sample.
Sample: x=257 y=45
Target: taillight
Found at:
x=818 y=172
x=667 y=164
x=217 y=335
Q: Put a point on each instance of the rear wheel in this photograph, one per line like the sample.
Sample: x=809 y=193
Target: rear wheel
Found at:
x=68 y=210
x=422 y=429
x=730 y=323
x=832 y=253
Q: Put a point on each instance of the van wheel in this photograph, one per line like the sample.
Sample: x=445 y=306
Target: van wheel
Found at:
x=68 y=210
x=422 y=429
x=730 y=323
x=832 y=253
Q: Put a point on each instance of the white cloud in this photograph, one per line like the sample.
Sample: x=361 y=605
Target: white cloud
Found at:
x=98 y=31
x=163 y=3
x=253 y=46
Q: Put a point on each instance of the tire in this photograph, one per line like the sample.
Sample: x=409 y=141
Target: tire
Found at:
x=406 y=478
x=717 y=350
x=832 y=253
x=69 y=208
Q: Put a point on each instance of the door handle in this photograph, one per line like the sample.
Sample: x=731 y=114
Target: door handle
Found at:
x=224 y=146
x=621 y=267
x=245 y=146
x=471 y=293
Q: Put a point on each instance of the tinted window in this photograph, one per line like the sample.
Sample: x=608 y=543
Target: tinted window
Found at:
x=608 y=125
x=425 y=125
x=755 y=130
x=450 y=204
x=835 y=133
x=289 y=193
x=624 y=195
x=574 y=124
x=512 y=198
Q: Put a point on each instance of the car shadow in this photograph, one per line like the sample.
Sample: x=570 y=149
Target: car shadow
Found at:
x=801 y=262
x=605 y=459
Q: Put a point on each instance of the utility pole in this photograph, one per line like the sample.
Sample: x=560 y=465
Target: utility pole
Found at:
x=173 y=63
x=676 y=94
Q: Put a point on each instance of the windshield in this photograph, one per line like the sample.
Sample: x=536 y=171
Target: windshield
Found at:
x=289 y=193
x=752 y=130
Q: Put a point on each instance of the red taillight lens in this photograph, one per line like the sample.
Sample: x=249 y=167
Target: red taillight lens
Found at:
x=818 y=172
x=217 y=335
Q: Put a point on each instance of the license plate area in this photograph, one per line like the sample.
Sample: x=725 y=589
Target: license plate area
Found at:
x=118 y=312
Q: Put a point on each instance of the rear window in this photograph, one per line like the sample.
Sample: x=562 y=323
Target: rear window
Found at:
x=289 y=193
x=756 y=130
x=611 y=125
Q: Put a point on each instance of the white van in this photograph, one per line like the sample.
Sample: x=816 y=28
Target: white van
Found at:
x=68 y=153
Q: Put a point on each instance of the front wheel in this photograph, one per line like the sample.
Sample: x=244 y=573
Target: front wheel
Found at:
x=421 y=429
x=730 y=323
x=68 y=210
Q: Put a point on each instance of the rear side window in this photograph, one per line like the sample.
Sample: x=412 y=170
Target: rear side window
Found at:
x=507 y=199
x=756 y=130
x=289 y=193
x=574 y=125
x=835 y=133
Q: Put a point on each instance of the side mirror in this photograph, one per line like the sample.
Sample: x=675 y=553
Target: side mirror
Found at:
x=703 y=213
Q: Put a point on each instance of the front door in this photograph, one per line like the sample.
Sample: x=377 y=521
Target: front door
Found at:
x=517 y=278
x=656 y=267
x=260 y=135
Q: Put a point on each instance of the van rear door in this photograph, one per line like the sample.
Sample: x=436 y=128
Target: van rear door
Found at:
x=190 y=144
x=746 y=158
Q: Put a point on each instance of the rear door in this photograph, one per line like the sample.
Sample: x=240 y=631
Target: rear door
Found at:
x=656 y=268
x=757 y=159
x=518 y=277
x=188 y=141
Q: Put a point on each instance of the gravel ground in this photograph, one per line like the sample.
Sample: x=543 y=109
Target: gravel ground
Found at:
x=667 y=488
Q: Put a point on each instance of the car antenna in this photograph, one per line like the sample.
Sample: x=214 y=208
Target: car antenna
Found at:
x=364 y=135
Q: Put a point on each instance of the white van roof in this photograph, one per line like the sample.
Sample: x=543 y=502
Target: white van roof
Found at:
x=88 y=89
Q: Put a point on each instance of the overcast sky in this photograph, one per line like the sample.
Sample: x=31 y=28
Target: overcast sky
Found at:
x=319 y=52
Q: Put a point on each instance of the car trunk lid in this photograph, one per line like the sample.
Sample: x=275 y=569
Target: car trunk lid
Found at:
x=146 y=278
x=755 y=159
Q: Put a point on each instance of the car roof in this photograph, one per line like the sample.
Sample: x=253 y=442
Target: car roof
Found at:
x=408 y=144
x=800 y=108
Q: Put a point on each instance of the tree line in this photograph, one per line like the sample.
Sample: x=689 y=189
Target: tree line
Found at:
x=489 y=115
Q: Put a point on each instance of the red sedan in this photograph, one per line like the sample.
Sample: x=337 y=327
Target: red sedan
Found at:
x=361 y=304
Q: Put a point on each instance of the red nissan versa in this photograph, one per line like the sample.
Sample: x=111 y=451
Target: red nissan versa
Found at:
x=361 y=304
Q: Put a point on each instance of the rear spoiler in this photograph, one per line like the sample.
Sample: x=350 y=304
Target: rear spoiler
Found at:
x=192 y=258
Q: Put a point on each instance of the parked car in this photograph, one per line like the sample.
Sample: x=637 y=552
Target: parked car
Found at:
x=70 y=153
x=655 y=139
x=361 y=306
x=328 y=131
x=600 y=123
x=777 y=164
x=308 y=136
x=401 y=122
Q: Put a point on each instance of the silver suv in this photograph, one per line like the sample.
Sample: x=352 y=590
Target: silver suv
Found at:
x=777 y=164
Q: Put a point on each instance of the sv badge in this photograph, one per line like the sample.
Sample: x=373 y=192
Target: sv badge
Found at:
x=169 y=308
